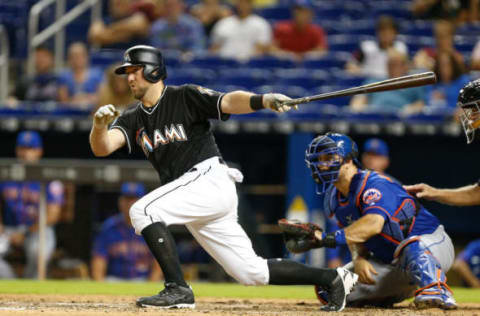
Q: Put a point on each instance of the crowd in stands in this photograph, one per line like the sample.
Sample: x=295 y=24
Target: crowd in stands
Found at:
x=266 y=48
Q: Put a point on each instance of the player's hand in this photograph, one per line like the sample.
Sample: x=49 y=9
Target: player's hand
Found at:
x=273 y=101
x=364 y=269
x=104 y=116
x=421 y=190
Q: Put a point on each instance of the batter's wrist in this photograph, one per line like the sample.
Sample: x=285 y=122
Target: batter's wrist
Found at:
x=256 y=102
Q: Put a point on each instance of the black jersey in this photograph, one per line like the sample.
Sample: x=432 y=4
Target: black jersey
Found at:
x=175 y=134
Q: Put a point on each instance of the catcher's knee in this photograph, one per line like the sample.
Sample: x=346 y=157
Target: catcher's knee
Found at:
x=253 y=273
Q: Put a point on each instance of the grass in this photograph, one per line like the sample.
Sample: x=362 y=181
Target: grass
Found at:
x=226 y=290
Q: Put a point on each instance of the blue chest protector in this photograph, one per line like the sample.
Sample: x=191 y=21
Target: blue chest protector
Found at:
x=372 y=193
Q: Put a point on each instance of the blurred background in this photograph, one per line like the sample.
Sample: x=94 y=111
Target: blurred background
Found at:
x=56 y=61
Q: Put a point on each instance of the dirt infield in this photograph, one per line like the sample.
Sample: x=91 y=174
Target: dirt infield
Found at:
x=124 y=305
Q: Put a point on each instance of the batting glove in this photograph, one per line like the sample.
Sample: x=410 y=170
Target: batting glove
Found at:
x=274 y=102
x=105 y=115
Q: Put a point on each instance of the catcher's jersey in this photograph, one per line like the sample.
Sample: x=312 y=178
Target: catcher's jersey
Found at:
x=175 y=134
x=373 y=193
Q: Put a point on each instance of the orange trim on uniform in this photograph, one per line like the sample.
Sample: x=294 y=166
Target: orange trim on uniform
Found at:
x=399 y=250
x=357 y=199
x=379 y=207
x=401 y=206
x=389 y=238
x=385 y=177
x=411 y=225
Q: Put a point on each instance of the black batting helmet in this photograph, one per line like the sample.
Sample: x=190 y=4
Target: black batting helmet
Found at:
x=469 y=102
x=150 y=58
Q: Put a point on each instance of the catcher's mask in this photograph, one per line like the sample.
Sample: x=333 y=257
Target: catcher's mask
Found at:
x=326 y=154
x=148 y=57
x=469 y=102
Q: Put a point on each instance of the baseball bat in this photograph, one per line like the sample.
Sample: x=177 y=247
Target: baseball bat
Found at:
x=416 y=80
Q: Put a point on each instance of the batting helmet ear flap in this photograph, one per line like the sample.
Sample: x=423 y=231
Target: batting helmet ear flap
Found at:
x=154 y=73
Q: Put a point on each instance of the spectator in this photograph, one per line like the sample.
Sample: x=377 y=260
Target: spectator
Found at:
x=80 y=83
x=20 y=209
x=444 y=32
x=300 y=36
x=115 y=90
x=450 y=79
x=128 y=23
x=43 y=86
x=118 y=253
x=467 y=264
x=177 y=30
x=242 y=35
x=375 y=155
x=475 y=58
x=456 y=10
x=209 y=12
x=371 y=57
x=405 y=100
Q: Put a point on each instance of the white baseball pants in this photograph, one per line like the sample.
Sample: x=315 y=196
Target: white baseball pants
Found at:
x=205 y=200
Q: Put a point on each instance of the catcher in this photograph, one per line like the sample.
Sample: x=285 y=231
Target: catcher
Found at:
x=399 y=249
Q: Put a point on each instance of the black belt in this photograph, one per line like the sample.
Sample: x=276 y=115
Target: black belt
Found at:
x=220 y=160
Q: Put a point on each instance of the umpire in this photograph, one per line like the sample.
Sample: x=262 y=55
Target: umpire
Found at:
x=171 y=125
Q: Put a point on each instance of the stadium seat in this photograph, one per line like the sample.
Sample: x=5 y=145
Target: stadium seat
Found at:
x=212 y=61
x=245 y=77
x=345 y=43
x=198 y=76
x=306 y=78
x=328 y=61
x=346 y=79
x=105 y=57
x=269 y=62
x=275 y=13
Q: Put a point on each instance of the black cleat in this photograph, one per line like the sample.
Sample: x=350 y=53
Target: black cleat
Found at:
x=341 y=286
x=172 y=296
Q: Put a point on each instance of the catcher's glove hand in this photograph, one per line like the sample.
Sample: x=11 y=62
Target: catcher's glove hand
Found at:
x=300 y=237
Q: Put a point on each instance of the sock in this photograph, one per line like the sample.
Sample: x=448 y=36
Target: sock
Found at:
x=289 y=272
x=162 y=245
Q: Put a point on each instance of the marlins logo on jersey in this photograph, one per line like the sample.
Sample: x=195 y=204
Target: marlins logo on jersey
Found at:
x=170 y=134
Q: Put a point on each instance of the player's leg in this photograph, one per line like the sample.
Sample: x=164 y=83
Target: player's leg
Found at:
x=427 y=259
x=189 y=198
x=228 y=244
x=382 y=293
x=32 y=248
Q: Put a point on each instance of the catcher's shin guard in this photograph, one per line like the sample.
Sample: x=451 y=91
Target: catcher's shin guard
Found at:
x=427 y=273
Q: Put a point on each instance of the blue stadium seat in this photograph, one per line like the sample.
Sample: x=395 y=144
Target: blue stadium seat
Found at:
x=345 y=79
x=179 y=76
x=416 y=28
x=244 y=77
x=105 y=57
x=328 y=61
x=344 y=43
x=398 y=10
x=270 y=62
x=275 y=13
x=306 y=78
x=212 y=61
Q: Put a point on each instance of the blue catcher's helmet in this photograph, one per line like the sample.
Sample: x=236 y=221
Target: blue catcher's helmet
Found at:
x=326 y=154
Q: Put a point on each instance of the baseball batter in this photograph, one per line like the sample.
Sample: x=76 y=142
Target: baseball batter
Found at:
x=399 y=249
x=171 y=125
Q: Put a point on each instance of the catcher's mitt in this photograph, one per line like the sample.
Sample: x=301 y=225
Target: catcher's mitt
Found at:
x=300 y=237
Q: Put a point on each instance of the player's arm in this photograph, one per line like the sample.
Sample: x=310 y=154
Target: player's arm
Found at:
x=242 y=102
x=462 y=268
x=99 y=268
x=102 y=140
x=464 y=196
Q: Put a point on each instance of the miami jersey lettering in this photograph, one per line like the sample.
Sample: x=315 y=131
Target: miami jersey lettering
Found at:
x=170 y=134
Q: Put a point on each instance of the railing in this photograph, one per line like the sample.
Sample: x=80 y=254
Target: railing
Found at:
x=62 y=19
x=4 y=55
